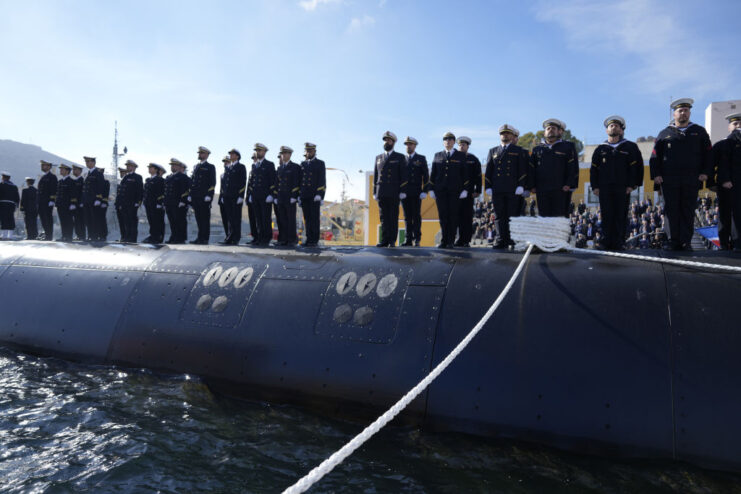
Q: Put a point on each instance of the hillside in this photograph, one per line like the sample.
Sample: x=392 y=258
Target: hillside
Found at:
x=22 y=160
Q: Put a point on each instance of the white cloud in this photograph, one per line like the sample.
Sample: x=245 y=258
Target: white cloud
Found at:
x=649 y=32
x=310 y=5
x=358 y=23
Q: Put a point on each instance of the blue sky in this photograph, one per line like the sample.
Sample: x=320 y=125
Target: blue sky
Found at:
x=179 y=74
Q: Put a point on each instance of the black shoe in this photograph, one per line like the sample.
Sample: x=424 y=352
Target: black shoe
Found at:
x=669 y=247
x=408 y=243
x=442 y=246
x=382 y=244
x=499 y=246
x=687 y=248
x=464 y=245
x=196 y=242
x=416 y=243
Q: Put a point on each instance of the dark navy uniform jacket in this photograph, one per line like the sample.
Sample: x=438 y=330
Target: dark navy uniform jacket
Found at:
x=77 y=185
x=621 y=165
x=553 y=167
x=390 y=176
x=29 y=197
x=203 y=181
x=130 y=191
x=93 y=189
x=263 y=184
x=506 y=169
x=448 y=174
x=473 y=174
x=729 y=159
x=154 y=191
x=234 y=182
x=65 y=192
x=106 y=191
x=418 y=174
x=177 y=189
x=9 y=192
x=288 y=181
x=313 y=179
x=681 y=156
x=47 y=188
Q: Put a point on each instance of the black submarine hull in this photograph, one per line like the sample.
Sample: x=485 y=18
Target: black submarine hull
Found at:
x=587 y=353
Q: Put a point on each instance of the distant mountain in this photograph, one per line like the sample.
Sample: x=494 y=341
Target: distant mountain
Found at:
x=22 y=160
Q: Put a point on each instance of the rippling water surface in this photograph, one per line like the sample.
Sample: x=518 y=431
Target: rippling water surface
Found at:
x=68 y=427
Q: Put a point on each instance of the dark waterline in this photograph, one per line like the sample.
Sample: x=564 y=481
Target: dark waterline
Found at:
x=68 y=427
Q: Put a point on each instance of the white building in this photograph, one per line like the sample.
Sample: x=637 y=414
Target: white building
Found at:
x=715 y=118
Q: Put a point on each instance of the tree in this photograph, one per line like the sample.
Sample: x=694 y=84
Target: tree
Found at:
x=530 y=140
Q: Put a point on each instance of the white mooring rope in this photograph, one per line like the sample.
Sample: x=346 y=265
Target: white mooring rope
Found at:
x=327 y=465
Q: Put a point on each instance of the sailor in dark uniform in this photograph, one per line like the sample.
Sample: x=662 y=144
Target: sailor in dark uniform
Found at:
x=63 y=202
x=47 y=196
x=554 y=170
x=93 y=190
x=78 y=216
x=30 y=209
x=617 y=169
x=262 y=194
x=128 y=199
x=119 y=212
x=727 y=154
x=153 y=198
x=250 y=208
x=472 y=185
x=177 y=189
x=506 y=177
x=446 y=186
x=225 y=161
x=233 y=185
x=288 y=178
x=9 y=199
x=390 y=179
x=202 y=188
x=680 y=162
x=418 y=174
x=311 y=196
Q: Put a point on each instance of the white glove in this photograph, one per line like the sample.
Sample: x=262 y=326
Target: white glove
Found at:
x=375 y=197
x=293 y=200
x=489 y=192
x=275 y=201
x=269 y=199
x=181 y=204
x=463 y=195
x=96 y=203
x=189 y=199
x=104 y=205
x=240 y=200
x=423 y=195
x=207 y=199
x=72 y=207
x=318 y=198
x=432 y=194
x=526 y=193
x=519 y=190
x=402 y=196
x=51 y=204
x=299 y=201
x=249 y=199
x=159 y=206
x=136 y=204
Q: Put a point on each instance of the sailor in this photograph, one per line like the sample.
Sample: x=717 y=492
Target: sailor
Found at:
x=102 y=212
x=64 y=204
x=418 y=174
x=9 y=200
x=288 y=177
x=153 y=198
x=526 y=154
x=30 y=209
x=506 y=178
x=231 y=197
x=121 y=172
x=225 y=161
x=262 y=194
x=617 y=169
x=390 y=179
x=92 y=200
x=554 y=170
x=78 y=216
x=727 y=154
x=311 y=196
x=680 y=162
x=472 y=186
x=202 y=187
x=177 y=189
x=446 y=186
x=250 y=208
x=128 y=199
x=47 y=195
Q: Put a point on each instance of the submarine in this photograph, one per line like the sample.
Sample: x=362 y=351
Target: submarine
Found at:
x=592 y=354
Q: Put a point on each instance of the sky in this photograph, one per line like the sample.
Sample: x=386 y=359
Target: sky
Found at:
x=339 y=73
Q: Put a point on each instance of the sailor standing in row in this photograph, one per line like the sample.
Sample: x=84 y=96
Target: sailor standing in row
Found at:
x=288 y=178
x=78 y=216
x=65 y=206
x=30 y=209
x=203 y=184
x=390 y=181
x=177 y=189
x=233 y=185
x=554 y=170
x=472 y=187
x=727 y=152
x=9 y=200
x=446 y=186
x=250 y=208
x=313 y=187
x=262 y=194
x=506 y=178
x=153 y=198
x=93 y=191
x=47 y=195
x=680 y=162
x=418 y=175
x=128 y=199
